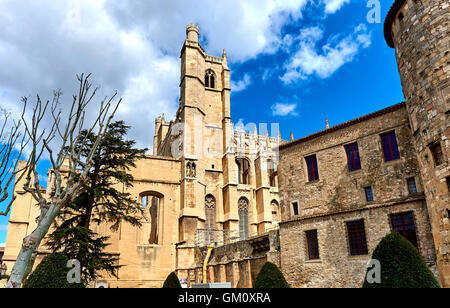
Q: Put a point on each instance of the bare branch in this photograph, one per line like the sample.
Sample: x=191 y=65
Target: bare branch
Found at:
x=70 y=173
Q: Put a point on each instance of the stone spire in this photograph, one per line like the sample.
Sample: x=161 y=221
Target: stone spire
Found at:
x=292 y=136
x=326 y=123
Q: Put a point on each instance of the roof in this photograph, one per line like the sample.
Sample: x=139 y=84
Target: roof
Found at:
x=344 y=125
x=389 y=20
x=2 y=249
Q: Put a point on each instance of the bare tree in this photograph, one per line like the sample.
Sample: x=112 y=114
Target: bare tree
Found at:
x=67 y=184
x=12 y=144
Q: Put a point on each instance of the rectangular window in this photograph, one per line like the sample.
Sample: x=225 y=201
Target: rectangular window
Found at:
x=369 y=193
x=412 y=187
x=295 y=208
x=313 y=171
x=313 y=245
x=353 y=159
x=438 y=156
x=357 y=238
x=390 y=146
x=448 y=182
x=404 y=224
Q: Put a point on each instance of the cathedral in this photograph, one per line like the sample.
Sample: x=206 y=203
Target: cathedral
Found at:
x=317 y=206
x=206 y=183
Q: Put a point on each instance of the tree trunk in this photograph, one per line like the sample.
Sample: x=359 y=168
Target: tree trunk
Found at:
x=30 y=244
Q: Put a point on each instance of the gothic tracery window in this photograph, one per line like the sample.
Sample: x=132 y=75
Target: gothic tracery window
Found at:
x=210 y=214
x=243 y=171
x=243 y=218
x=210 y=80
x=273 y=176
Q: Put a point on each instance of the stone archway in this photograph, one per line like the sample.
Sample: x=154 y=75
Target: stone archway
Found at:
x=152 y=201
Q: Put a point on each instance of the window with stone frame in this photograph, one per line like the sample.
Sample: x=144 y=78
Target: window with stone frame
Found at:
x=210 y=80
x=357 y=238
x=243 y=171
x=210 y=215
x=243 y=206
x=272 y=174
x=412 y=187
x=313 y=245
x=390 y=146
x=313 y=171
x=295 y=208
x=403 y=223
x=369 y=193
x=353 y=159
x=438 y=155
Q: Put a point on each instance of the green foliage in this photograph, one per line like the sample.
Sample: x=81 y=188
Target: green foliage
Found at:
x=100 y=202
x=270 y=277
x=401 y=265
x=51 y=273
x=172 y=282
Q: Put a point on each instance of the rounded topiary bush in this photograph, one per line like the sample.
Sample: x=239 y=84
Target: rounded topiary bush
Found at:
x=402 y=265
x=270 y=277
x=51 y=273
x=172 y=282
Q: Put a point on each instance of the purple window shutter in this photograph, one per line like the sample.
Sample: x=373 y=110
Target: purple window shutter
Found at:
x=354 y=161
x=390 y=146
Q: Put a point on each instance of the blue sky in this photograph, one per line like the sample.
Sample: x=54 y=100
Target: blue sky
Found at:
x=293 y=62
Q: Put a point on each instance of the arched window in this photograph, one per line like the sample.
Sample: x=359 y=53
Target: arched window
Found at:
x=210 y=213
x=276 y=215
x=152 y=202
x=243 y=218
x=210 y=80
x=243 y=170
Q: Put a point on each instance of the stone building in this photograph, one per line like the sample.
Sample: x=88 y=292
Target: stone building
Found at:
x=205 y=182
x=342 y=190
x=419 y=31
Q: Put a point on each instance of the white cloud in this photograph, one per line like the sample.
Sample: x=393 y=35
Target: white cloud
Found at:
x=2 y=244
x=282 y=109
x=129 y=46
x=308 y=60
x=241 y=84
x=332 y=6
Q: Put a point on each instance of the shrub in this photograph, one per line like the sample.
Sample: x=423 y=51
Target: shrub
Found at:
x=401 y=265
x=270 y=277
x=172 y=282
x=51 y=273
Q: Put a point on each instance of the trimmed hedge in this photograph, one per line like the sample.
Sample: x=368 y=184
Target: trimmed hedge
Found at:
x=270 y=277
x=51 y=273
x=402 y=265
x=172 y=282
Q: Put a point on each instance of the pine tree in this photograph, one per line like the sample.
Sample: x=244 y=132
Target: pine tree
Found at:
x=270 y=277
x=172 y=282
x=103 y=201
x=401 y=265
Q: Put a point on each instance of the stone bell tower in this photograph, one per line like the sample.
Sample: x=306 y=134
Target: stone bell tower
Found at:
x=419 y=31
x=204 y=113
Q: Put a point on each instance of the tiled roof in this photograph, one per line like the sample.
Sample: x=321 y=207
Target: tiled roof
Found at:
x=389 y=20
x=344 y=125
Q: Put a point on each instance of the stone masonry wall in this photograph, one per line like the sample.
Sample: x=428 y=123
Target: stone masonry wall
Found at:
x=421 y=36
x=327 y=204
